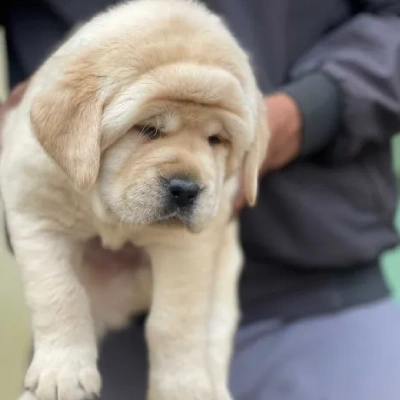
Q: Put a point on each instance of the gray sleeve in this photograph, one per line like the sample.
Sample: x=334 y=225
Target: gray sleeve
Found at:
x=319 y=99
x=348 y=85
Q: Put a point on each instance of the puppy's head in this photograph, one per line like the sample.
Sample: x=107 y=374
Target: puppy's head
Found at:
x=155 y=134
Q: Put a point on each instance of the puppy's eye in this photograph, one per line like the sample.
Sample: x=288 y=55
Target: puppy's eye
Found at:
x=215 y=140
x=149 y=131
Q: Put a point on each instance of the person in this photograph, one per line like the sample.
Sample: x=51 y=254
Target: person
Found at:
x=318 y=321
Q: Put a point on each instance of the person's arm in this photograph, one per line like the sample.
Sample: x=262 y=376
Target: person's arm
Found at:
x=347 y=88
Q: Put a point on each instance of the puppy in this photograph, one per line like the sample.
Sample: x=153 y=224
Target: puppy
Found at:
x=134 y=131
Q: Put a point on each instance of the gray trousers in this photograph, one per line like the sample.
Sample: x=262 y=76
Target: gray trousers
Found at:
x=352 y=355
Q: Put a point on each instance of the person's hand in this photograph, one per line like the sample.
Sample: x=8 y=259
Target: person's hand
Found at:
x=285 y=123
x=284 y=120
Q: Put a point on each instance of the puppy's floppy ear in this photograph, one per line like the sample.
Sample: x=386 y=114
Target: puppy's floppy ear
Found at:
x=256 y=155
x=66 y=120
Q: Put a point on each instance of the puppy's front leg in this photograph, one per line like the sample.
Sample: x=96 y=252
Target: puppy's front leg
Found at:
x=65 y=351
x=177 y=325
x=224 y=309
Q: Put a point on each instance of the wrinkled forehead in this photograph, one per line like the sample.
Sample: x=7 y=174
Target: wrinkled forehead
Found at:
x=183 y=95
x=175 y=116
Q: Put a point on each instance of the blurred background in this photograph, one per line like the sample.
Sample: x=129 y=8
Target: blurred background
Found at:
x=14 y=324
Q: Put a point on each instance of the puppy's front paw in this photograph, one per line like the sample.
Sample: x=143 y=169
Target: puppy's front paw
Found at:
x=68 y=374
x=223 y=394
x=182 y=394
x=27 y=396
x=181 y=389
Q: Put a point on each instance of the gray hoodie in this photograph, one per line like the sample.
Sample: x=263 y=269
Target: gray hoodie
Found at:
x=313 y=242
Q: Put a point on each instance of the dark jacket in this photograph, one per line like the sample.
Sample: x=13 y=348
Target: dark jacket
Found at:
x=314 y=241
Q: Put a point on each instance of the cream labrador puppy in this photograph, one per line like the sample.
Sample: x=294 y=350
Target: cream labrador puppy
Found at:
x=134 y=130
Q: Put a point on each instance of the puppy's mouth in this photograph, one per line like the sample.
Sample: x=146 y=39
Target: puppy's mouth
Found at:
x=173 y=202
x=177 y=216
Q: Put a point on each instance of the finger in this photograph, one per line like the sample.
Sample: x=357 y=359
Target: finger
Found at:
x=238 y=203
x=16 y=94
x=12 y=100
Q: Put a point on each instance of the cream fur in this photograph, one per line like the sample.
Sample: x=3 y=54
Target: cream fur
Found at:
x=75 y=165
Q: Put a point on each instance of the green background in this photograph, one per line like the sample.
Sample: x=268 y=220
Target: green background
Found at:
x=391 y=260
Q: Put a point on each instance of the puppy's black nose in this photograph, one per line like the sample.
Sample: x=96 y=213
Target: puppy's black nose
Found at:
x=183 y=191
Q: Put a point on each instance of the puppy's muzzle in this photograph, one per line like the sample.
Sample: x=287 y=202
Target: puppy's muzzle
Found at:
x=183 y=193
